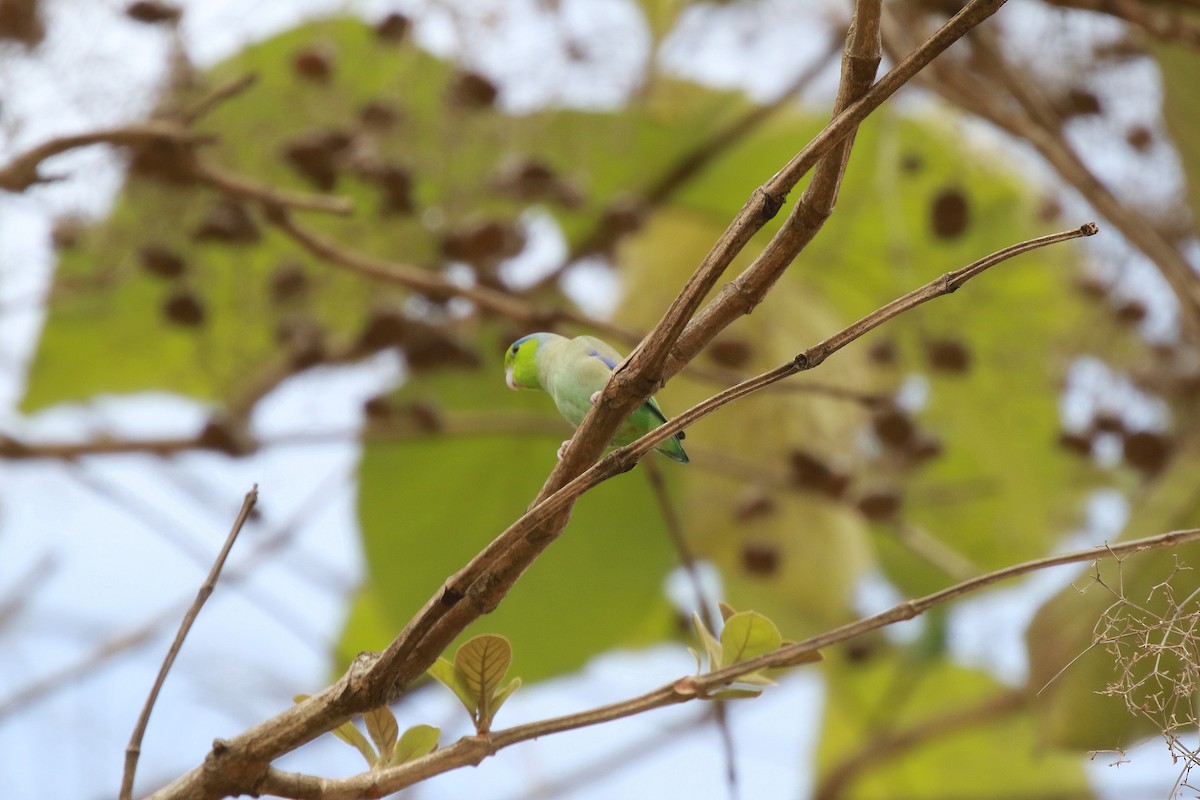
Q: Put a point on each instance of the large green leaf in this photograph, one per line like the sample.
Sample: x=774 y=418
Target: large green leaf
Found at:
x=226 y=335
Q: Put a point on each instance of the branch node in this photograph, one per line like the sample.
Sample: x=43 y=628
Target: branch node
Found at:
x=770 y=204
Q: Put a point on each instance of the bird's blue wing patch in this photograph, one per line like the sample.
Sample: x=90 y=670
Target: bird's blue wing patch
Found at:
x=608 y=362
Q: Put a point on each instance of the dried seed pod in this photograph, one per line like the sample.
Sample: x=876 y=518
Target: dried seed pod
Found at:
x=948 y=355
x=760 y=558
x=158 y=260
x=313 y=63
x=949 y=213
x=879 y=505
x=184 y=308
x=392 y=28
x=227 y=222
x=152 y=12
x=471 y=90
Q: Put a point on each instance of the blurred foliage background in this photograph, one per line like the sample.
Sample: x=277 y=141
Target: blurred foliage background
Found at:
x=961 y=438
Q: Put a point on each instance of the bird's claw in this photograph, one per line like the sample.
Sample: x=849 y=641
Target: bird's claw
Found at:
x=562 y=448
x=595 y=398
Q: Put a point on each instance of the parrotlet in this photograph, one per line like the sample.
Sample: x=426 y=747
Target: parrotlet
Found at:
x=573 y=372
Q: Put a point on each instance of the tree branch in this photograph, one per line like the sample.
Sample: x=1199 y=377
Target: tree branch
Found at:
x=134 y=749
x=471 y=750
x=243 y=763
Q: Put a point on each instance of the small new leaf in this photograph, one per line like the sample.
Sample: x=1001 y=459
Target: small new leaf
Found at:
x=502 y=695
x=448 y=675
x=417 y=741
x=475 y=676
x=711 y=646
x=381 y=725
x=747 y=635
x=350 y=735
x=484 y=660
x=354 y=737
x=727 y=610
x=732 y=694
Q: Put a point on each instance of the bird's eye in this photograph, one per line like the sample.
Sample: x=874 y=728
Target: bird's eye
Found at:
x=515 y=348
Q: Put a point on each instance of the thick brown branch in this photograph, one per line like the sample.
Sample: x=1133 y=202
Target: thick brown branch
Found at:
x=242 y=763
x=622 y=459
x=647 y=367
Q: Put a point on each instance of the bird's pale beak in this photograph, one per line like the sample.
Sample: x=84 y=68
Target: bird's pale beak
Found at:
x=508 y=378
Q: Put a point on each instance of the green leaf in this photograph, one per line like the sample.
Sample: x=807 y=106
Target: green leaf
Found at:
x=503 y=694
x=351 y=736
x=732 y=694
x=747 y=635
x=354 y=737
x=417 y=741
x=449 y=676
x=696 y=655
x=483 y=661
x=711 y=646
x=382 y=727
x=756 y=678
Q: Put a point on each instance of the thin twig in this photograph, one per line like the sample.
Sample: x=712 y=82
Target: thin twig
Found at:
x=471 y=750
x=243 y=762
x=687 y=560
x=245 y=189
x=878 y=750
x=488 y=577
x=692 y=163
x=24 y=170
x=26 y=586
x=147 y=631
x=1032 y=118
x=216 y=97
x=134 y=749
x=662 y=352
x=1157 y=20
x=624 y=458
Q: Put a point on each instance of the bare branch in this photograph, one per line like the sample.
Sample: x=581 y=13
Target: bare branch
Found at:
x=245 y=189
x=1157 y=20
x=134 y=748
x=243 y=763
x=691 y=164
x=659 y=356
x=1034 y=120
x=878 y=750
x=624 y=458
x=24 y=170
x=687 y=560
x=471 y=750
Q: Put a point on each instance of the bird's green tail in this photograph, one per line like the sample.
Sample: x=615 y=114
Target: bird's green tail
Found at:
x=673 y=450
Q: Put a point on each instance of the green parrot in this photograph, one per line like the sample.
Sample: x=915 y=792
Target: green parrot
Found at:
x=574 y=372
